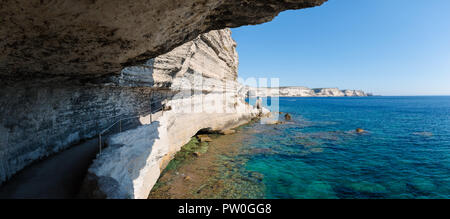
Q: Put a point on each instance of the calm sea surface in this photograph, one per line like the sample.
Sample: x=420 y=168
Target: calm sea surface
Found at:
x=405 y=152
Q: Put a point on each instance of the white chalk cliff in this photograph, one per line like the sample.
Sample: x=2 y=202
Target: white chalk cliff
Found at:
x=206 y=95
x=304 y=92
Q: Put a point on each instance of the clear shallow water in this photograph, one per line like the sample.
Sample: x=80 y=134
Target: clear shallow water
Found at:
x=404 y=154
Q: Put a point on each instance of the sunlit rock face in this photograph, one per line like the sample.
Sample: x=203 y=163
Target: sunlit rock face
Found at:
x=75 y=38
x=354 y=93
x=213 y=55
x=203 y=74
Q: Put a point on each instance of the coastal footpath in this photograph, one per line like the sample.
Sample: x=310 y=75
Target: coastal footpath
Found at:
x=304 y=92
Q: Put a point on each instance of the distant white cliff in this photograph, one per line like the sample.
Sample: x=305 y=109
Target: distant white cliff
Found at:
x=304 y=92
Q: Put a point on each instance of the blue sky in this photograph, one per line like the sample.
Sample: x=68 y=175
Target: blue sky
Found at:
x=388 y=47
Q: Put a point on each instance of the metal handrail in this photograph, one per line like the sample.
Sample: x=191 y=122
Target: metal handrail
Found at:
x=161 y=108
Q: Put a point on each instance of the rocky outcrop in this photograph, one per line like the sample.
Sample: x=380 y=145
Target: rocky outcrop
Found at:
x=287 y=117
x=360 y=130
x=73 y=38
x=304 y=92
x=203 y=72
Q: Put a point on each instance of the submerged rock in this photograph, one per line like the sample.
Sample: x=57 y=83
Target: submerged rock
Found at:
x=319 y=190
x=271 y=122
x=204 y=138
x=316 y=150
x=287 y=117
x=426 y=134
x=368 y=187
x=228 y=132
x=261 y=151
x=256 y=175
x=360 y=130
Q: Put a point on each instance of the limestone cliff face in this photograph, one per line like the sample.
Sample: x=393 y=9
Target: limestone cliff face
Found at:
x=61 y=64
x=38 y=120
x=203 y=74
x=75 y=38
x=213 y=55
x=304 y=92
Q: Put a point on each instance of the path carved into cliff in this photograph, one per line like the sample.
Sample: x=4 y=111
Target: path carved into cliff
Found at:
x=59 y=176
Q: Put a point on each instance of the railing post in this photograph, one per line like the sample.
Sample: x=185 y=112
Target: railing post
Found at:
x=100 y=143
x=162 y=105
x=151 y=111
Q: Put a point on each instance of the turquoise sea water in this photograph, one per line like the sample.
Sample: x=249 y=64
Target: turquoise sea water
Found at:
x=405 y=152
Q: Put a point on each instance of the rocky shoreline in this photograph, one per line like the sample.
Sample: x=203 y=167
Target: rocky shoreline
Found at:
x=208 y=170
x=213 y=168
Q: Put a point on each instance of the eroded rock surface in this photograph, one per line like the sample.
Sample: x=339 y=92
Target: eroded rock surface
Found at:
x=203 y=72
x=61 y=64
x=43 y=38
